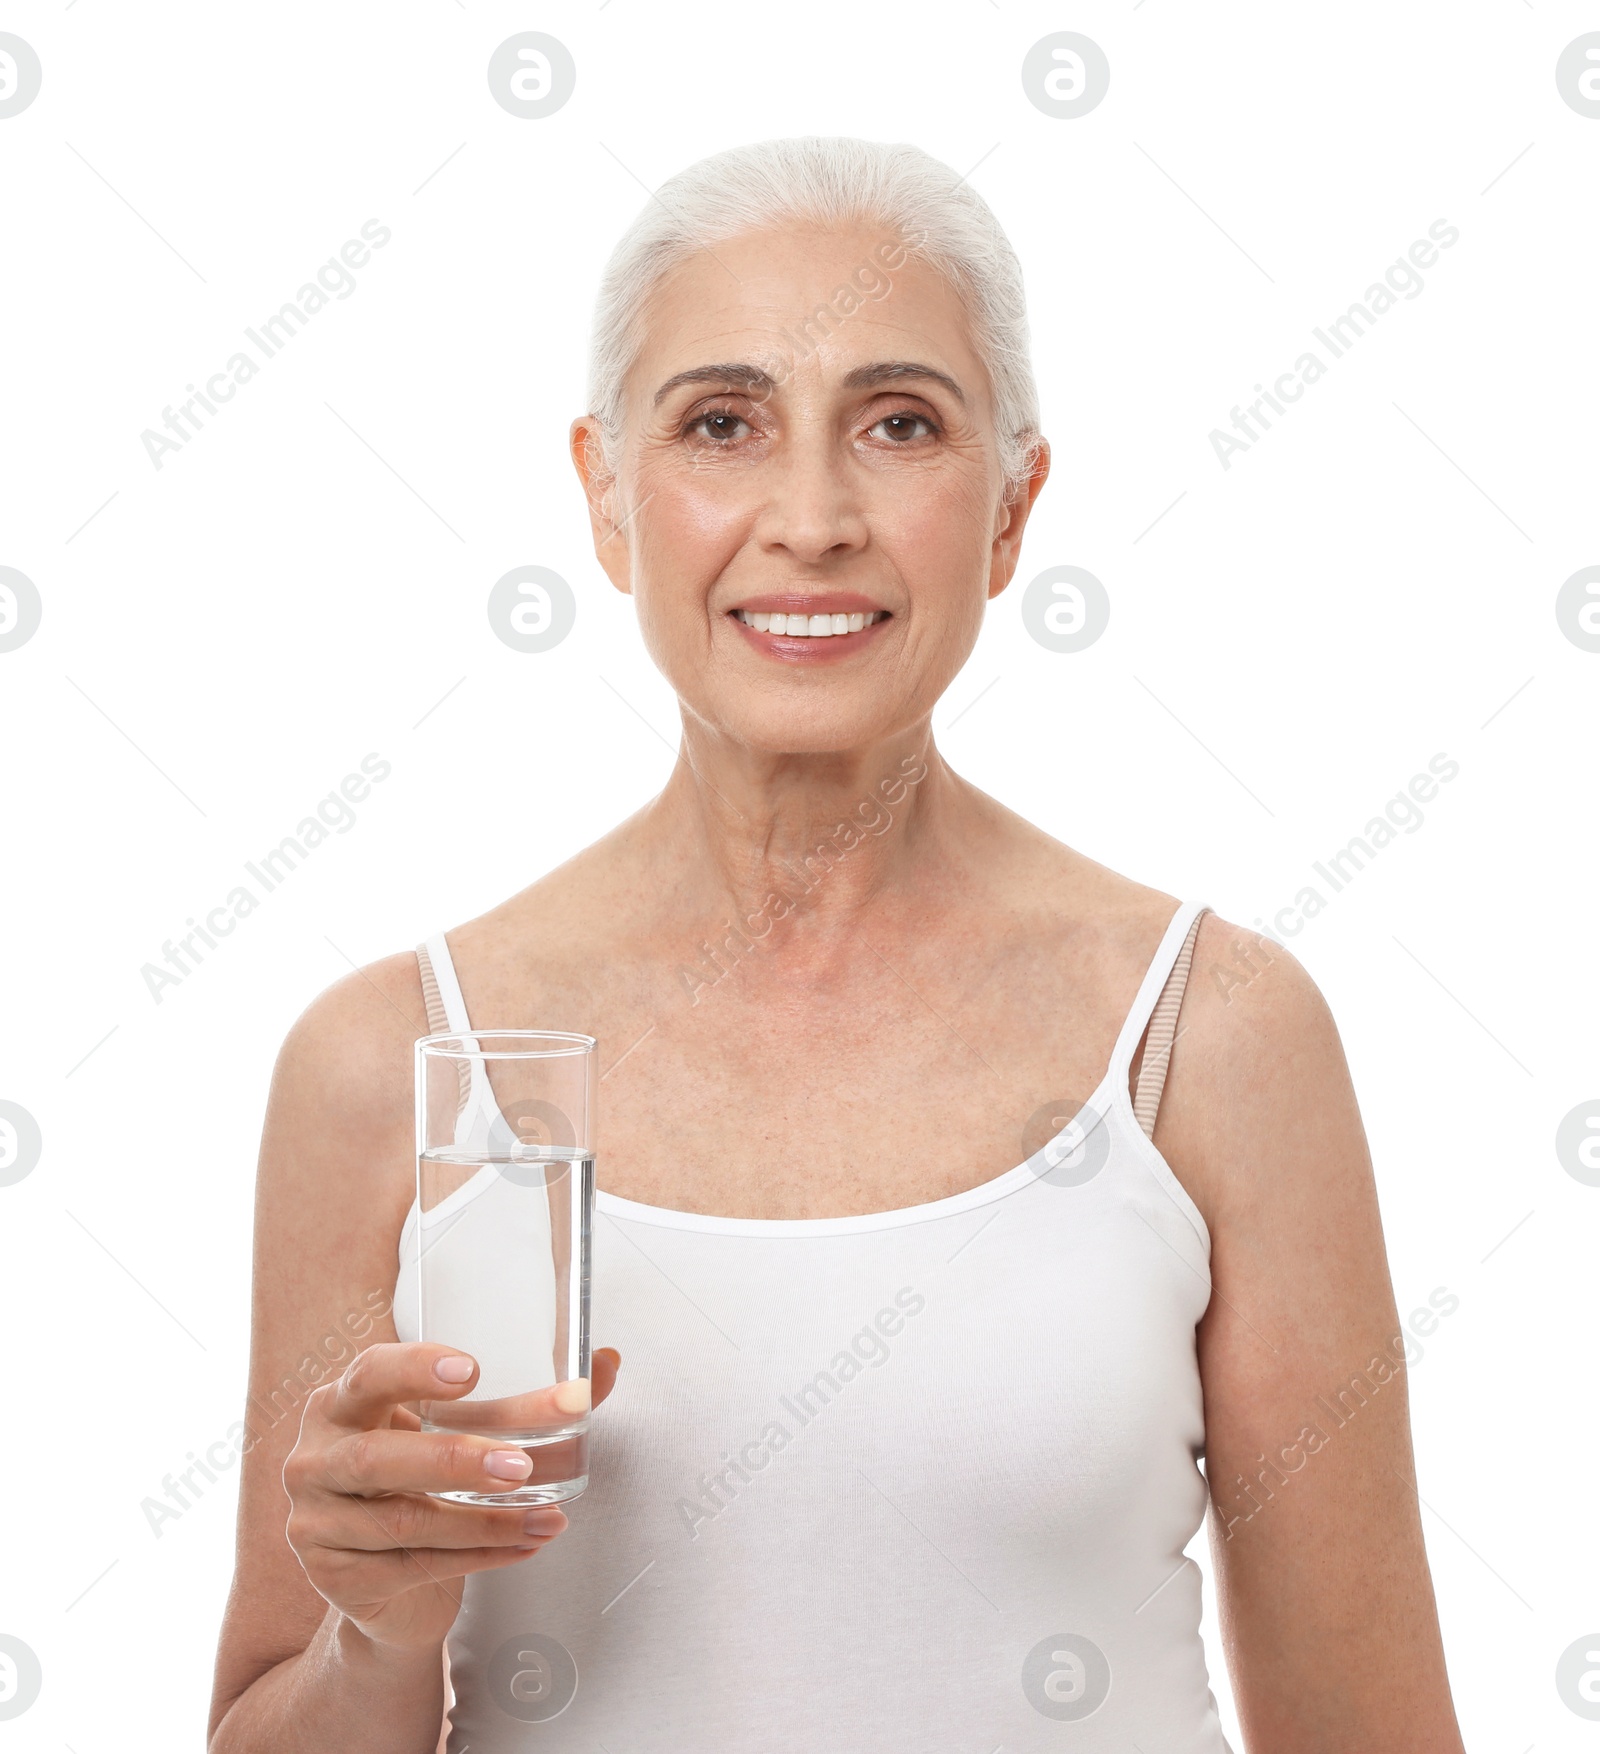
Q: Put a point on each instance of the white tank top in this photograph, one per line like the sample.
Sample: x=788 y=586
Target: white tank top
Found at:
x=913 y=1482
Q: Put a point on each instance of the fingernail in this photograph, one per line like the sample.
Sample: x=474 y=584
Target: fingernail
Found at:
x=572 y=1396
x=453 y=1369
x=508 y=1464
x=544 y=1521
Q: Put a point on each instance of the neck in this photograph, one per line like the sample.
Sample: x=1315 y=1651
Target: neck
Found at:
x=777 y=837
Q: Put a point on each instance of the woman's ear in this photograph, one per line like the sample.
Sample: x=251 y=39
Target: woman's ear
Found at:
x=586 y=443
x=1012 y=518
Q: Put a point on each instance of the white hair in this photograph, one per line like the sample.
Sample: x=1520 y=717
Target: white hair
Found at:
x=826 y=182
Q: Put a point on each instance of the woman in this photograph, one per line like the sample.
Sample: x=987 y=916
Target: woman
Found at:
x=905 y=1456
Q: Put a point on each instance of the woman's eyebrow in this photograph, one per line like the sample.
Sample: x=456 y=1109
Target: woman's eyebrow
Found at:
x=749 y=377
x=867 y=377
x=862 y=377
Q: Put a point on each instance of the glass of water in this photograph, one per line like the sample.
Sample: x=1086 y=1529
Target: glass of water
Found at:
x=505 y=1206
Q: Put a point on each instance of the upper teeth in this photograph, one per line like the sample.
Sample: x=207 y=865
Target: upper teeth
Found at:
x=808 y=626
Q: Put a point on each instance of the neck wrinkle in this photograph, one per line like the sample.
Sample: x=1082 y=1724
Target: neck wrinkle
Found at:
x=819 y=835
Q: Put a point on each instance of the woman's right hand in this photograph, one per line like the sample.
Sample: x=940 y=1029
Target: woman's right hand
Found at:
x=391 y=1559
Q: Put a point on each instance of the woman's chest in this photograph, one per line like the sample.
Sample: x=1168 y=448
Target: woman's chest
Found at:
x=865 y=1103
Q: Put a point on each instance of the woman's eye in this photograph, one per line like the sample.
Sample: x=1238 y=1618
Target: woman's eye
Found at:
x=718 y=425
x=899 y=428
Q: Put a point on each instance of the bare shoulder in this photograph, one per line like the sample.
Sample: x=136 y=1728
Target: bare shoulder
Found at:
x=337 y=1157
x=346 y=1060
x=1251 y=1005
x=337 y=1166
x=1259 y=1118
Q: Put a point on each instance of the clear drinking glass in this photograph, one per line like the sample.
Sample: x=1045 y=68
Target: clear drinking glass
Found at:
x=505 y=1206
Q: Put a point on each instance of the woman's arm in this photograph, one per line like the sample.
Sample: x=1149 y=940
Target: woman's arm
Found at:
x=1326 y=1603
x=347 y=1578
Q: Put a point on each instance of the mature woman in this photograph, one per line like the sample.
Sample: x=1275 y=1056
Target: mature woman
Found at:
x=919 y=1376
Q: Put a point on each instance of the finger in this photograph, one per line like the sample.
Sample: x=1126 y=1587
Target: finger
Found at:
x=367 y=1464
x=603 y=1371
x=378 y=1379
x=378 y=1525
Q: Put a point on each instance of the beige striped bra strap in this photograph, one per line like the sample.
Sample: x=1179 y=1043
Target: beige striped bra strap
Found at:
x=1162 y=1033
x=438 y=1017
x=438 y=1022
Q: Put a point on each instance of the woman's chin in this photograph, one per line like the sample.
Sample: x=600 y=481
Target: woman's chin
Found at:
x=810 y=728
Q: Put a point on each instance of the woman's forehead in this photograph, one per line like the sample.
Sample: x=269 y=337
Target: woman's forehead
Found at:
x=840 y=299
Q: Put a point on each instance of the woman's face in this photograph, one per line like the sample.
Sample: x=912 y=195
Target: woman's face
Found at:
x=808 y=431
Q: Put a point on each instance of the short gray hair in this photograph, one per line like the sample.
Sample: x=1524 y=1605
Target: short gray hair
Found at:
x=828 y=182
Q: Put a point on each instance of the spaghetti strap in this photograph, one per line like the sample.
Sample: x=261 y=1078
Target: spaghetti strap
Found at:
x=1155 y=978
x=1163 y=1032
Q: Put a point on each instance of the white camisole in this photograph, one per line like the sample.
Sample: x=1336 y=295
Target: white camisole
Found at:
x=912 y=1482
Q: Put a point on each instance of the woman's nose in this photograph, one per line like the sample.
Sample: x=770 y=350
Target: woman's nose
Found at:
x=812 y=507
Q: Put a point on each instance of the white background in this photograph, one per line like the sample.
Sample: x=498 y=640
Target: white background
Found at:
x=224 y=639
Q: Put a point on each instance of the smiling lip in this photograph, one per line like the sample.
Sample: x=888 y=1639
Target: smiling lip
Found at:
x=810 y=603
x=818 y=642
